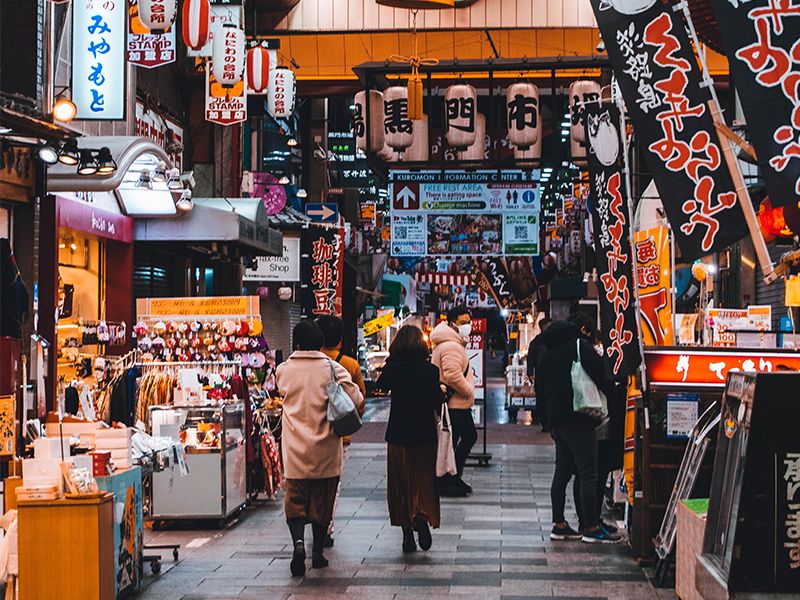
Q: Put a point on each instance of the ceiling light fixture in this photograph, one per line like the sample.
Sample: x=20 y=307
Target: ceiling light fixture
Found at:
x=106 y=165
x=302 y=193
x=174 y=182
x=87 y=164
x=69 y=153
x=291 y=142
x=144 y=180
x=283 y=180
x=160 y=174
x=185 y=204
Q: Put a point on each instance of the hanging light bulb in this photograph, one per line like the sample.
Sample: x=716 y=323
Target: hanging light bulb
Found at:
x=284 y=180
x=302 y=193
x=64 y=109
x=87 y=164
x=291 y=142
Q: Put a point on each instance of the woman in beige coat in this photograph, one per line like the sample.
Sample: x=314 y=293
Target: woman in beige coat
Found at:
x=312 y=452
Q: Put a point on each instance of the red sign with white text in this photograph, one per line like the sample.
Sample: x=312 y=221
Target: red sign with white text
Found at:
x=88 y=219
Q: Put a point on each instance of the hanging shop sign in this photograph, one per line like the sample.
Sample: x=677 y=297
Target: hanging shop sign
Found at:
x=522 y=106
x=611 y=220
x=98 y=60
x=8 y=427
x=582 y=93
x=361 y=112
x=224 y=106
x=728 y=325
x=398 y=129
x=285 y=268
x=684 y=367
x=379 y=324
x=282 y=91
x=492 y=277
x=461 y=107
x=654 y=282
x=322 y=267
x=760 y=37
x=207 y=306
x=220 y=14
x=146 y=48
x=154 y=126
x=464 y=213
x=660 y=80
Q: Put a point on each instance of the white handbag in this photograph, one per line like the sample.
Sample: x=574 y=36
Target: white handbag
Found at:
x=445 y=455
x=586 y=398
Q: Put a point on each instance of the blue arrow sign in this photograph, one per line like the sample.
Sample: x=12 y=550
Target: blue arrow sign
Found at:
x=323 y=213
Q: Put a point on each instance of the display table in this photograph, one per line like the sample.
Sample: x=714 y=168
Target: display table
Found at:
x=689 y=545
x=66 y=549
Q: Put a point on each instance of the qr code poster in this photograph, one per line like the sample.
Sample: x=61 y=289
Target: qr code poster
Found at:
x=521 y=234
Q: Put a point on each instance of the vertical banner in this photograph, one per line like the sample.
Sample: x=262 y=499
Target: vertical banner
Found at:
x=654 y=282
x=224 y=106
x=760 y=37
x=493 y=277
x=610 y=217
x=657 y=71
x=144 y=48
x=99 y=31
x=322 y=268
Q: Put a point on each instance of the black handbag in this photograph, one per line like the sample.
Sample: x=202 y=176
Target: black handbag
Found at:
x=450 y=392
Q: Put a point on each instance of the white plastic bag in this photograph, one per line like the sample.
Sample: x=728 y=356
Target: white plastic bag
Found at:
x=445 y=455
x=586 y=398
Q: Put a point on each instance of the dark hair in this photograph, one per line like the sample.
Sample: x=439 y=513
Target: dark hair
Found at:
x=581 y=320
x=544 y=323
x=409 y=343
x=456 y=312
x=332 y=329
x=307 y=336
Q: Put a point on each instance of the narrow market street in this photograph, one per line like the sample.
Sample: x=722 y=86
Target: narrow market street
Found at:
x=493 y=545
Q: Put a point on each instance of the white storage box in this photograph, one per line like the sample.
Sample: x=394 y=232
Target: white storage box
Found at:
x=48 y=447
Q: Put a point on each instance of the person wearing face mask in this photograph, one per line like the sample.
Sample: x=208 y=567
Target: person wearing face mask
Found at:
x=450 y=356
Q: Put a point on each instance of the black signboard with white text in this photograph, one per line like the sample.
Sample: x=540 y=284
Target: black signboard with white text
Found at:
x=761 y=42
x=657 y=71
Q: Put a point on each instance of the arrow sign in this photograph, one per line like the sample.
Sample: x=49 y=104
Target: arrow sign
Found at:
x=407 y=198
x=323 y=213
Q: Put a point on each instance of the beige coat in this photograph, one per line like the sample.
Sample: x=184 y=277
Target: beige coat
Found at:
x=450 y=355
x=311 y=450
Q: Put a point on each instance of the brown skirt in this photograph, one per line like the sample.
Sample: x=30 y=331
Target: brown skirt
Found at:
x=310 y=499
x=411 y=486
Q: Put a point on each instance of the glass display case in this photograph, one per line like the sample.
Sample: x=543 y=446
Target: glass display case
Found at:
x=214 y=437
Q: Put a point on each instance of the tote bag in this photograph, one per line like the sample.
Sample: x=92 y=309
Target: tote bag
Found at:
x=445 y=456
x=342 y=412
x=586 y=398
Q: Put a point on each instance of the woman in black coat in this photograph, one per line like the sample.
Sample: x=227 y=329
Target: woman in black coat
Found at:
x=412 y=437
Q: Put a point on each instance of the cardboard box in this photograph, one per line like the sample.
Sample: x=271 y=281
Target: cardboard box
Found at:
x=51 y=447
x=38 y=472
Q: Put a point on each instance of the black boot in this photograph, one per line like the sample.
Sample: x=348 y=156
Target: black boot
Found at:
x=423 y=532
x=409 y=544
x=318 y=561
x=297 y=528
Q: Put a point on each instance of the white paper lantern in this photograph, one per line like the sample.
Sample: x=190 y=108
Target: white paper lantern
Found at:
x=476 y=151
x=376 y=134
x=386 y=154
x=531 y=156
x=419 y=149
x=282 y=92
x=228 y=55
x=461 y=109
x=196 y=23
x=522 y=106
x=259 y=65
x=581 y=92
x=158 y=15
x=398 y=129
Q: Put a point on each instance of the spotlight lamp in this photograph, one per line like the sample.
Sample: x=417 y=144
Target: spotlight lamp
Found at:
x=185 y=204
x=174 y=179
x=302 y=193
x=144 y=180
x=48 y=155
x=106 y=165
x=160 y=173
x=283 y=180
x=68 y=154
x=87 y=164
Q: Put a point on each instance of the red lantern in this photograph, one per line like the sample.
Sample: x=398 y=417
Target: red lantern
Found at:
x=196 y=23
x=258 y=67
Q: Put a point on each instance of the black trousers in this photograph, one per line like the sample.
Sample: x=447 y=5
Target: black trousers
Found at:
x=464 y=435
x=576 y=452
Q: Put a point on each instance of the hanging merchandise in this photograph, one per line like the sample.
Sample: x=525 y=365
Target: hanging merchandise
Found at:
x=260 y=62
x=461 y=105
x=760 y=37
x=398 y=129
x=522 y=103
x=661 y=83
x=419 y=150
x=375 y=114
x=228 y=55
x=196 y=19
x=158 y=15
x=611 y=219
x=281 y=94
x=476 y=151
x=581 y=93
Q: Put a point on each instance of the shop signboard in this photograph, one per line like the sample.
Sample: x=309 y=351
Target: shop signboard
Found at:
x=379 y=324
x=653 y=282
x=99 y=31
x=321 y=270
x=760 y=38
x=207 y=306
x=224 y=106
x=464 y=213
x=686 y=367
x=154 y=126
x=612 y=241
x=96 y=221
x=726 y=322
x=8 y=426
x=146 y=49
x=661 y=82
x=682 y=413
x=222 y=12
x=285 y=268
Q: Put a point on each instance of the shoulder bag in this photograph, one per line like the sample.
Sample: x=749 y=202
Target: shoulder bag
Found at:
x=445 y=455
x=586 y=398
x=342 y=413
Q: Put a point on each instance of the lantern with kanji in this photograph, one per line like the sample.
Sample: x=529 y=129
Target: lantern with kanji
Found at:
x=158 y=15
x=419 y=149
x=259 y=65
x=522 y=105
x=461 y=108
x=531 y=156
x=398 y=129
x=375 y=115
x=281 y=93
x=476 y=151
x=228 y=55
x=196 y=20
x=581 y=92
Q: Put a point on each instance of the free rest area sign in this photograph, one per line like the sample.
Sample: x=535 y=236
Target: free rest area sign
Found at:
x=284 y=268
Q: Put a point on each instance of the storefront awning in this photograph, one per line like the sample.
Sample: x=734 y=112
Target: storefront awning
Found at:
x=216 y=221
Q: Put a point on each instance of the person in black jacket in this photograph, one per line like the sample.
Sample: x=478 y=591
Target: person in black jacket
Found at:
x=573 y=433
x=535 y=350
x=412 y=437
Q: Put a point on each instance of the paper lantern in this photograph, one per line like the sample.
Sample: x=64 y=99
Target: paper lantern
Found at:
x=476 y=151
x=398 y=129
x=376 y=135
x=196 y=20
x=531 y=156
x=386 y=154
x=419 y=149
x=158 y=15
x=581 y=92
x=228 y=55
x=259 y=65
x=522 y=105
x=461 y=108
x=281 y=95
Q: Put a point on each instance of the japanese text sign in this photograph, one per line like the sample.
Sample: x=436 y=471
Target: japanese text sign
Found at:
x=654 y=282
x=144 y=48
x=375 y=325
x=99 y=30
x=224 y=107
x=660 y=80
x=322 y=268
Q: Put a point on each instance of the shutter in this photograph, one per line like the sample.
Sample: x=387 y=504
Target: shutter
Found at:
x=153 y=274
x=775 y=293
